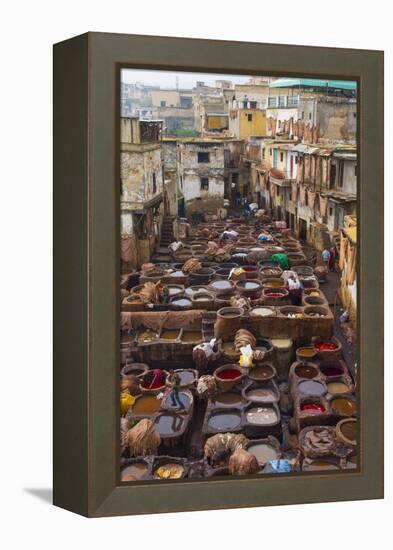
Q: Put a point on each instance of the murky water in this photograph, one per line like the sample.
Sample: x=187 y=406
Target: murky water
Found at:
x=263 y=452
x=223 y=421
x=262 y=416
x=169 y=424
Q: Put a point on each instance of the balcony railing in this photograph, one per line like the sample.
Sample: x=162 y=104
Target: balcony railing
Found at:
x=284 y=179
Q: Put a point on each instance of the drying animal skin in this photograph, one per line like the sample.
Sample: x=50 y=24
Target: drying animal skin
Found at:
x=244 y=338
x=214 y=252
x=206 y=386
x=151 y=293
x=242 y=463
x=191 y=265
x=143 y=439
x=124 y=427
x=243 y=303
x=220 y=446
x=318 y=441
x=148 y=267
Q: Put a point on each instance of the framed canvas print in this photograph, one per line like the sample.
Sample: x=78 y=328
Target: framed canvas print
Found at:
x=218 y=260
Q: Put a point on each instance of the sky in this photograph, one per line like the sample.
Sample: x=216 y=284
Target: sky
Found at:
x=167 y=79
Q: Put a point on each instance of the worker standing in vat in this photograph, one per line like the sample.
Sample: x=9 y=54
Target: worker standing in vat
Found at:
x=174 y=379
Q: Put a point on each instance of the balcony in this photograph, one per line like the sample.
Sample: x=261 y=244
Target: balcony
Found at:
x=280 y=178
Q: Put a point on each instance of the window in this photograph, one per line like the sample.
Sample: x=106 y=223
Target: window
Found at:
x=293 y=100
x=263 y=153
x=309 y=116
x=296 y=160
x=204 y=184
x=281 y=157
x=272 y=101
x=181 y=182
x=281 y=100
x=270 y=151
x=330 y=211
x=162 y=103
x=249 y=117
x=203 y=157
x=302 y=115
x=154 y=183
x=340 y=173
x=253 y=104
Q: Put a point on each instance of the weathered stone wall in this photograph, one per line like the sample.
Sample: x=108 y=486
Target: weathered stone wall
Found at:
x=171 y=191
x=138 y=165
x=337 y=119
x=169 y=154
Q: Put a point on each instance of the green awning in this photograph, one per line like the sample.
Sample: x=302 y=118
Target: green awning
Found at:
x=314 y=83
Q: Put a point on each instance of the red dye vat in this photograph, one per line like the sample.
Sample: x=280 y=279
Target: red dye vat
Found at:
x=229 y=374
x=331 y=371
x=326 y=346
x=276 y=295
x=313 y=408
x=154 y=380
x=152 y=385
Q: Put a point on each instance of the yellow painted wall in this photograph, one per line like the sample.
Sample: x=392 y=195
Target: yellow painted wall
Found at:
x=255 y=127
x=217 y=122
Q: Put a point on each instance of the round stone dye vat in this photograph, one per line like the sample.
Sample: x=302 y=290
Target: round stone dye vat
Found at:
x=169 y=424
x=228 y=399
x=331 y=369
x=184 y=398
x=262 y=416
x=311 y=387
x=262 y=372
x=263 y=452
x=344 y=406
x=222 y=421
x=312 y=407
x=135 y=471
x=306 y=371
x=146 y=405
x=335 y=388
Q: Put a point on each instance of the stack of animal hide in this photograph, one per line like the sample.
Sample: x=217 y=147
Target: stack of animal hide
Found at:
x=256 y=255
x=244 y=338
x=143 y=439
x=214 y=252
x=124 y=427
x=243 y=463
x=220 y=446
x=206 y=387
x=152 y=293
x=147 y=267
x=191 y=265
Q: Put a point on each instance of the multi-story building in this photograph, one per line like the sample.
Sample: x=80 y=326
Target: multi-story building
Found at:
x=311 y=110
x=141 y=174
x=246 y=118
x=175 y=108
x=201 y=174
x=312 y=188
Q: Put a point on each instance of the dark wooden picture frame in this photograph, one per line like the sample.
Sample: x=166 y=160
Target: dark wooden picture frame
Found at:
x=86 y=272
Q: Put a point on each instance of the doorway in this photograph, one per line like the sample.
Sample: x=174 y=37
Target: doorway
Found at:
x=302 y=229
